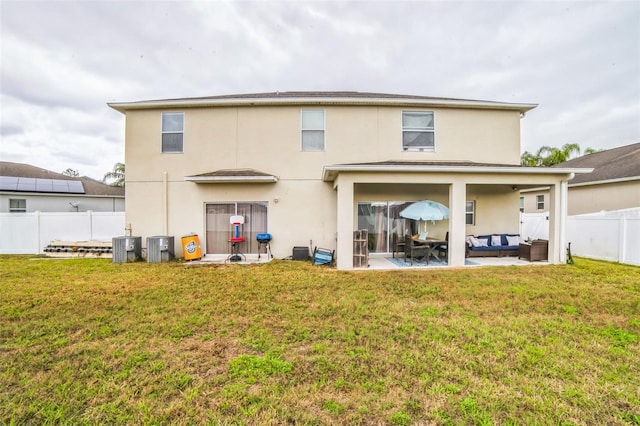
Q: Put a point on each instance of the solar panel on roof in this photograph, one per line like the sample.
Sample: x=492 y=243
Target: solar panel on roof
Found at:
x=75 y=186
x=25 y=184
x=8 y=183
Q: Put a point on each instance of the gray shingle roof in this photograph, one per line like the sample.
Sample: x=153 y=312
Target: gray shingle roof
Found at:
x=91 y=186
x=617 y=163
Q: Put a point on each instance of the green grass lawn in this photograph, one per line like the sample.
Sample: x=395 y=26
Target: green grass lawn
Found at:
x=91 y=342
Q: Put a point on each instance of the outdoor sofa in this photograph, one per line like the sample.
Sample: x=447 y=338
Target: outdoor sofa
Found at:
x=494 y=245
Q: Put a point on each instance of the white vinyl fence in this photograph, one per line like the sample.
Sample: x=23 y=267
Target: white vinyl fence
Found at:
x=30 y=233
x=613 y=236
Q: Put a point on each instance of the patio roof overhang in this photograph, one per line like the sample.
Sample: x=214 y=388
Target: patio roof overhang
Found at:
x=330 y=172
x=233 y=176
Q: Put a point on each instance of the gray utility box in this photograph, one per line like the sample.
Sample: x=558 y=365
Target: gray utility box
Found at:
x=300 y=253
x=126 y=249
x=159 y=249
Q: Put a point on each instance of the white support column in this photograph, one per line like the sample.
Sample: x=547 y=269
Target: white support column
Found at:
x=564 y=194
x=457 y=210
x=555 y=222
x=345 y=220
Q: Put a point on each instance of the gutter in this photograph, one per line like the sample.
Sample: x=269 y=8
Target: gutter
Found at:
x=337 y=100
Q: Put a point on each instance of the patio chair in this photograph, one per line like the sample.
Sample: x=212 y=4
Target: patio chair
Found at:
x=323 y=257
x=443 y=249
x=397 y=244
x=414 y=250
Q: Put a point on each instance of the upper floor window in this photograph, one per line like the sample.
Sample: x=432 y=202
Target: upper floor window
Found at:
x=17 y=205
x=540 y=202
x=172 y=131
x=470 y=213
x=313 y=130
x=418 y=131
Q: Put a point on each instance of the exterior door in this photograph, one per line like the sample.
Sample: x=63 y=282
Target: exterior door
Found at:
x=219 y=229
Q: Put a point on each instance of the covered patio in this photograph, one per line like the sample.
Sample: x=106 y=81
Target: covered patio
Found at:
x=492 y=187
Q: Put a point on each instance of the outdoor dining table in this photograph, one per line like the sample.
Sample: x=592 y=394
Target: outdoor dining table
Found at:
x=431 y=244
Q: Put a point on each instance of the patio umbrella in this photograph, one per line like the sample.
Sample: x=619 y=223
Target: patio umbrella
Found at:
x=426 y=210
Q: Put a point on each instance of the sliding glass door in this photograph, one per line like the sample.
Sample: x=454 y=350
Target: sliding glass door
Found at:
x=382 y=219
x=219 y=229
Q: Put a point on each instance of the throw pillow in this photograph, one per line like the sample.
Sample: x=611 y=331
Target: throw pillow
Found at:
x=513 y=241
x=469 y=240
x=496 y=240
x=483 y=242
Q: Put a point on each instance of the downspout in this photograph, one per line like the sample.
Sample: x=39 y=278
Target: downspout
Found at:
x=564 y=201
x=165 y=203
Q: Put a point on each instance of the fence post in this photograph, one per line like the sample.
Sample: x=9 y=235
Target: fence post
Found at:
x=90 y=216
x=622 y=242
x=38 y=231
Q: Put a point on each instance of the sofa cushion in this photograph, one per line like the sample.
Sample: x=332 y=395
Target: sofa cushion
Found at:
x=482 y=242
x=513 y=240
x=496 y=240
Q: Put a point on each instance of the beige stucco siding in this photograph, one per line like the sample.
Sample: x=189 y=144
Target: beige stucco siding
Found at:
x=268 y=139
x=304 y=211
x=610 y=196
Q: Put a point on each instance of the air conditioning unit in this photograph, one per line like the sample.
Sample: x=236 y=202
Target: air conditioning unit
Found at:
x=159 y=249
x=126 y=249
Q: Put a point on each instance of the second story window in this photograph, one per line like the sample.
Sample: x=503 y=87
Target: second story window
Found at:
x=418 y=131
x=172 y=131
x=540 y=202
x=313 y=130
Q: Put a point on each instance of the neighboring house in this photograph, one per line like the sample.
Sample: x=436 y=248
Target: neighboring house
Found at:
x=614 y=183
x=25 y=188
x=312 y=167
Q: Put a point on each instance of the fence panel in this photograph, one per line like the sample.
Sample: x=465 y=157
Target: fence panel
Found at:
x=594 y=237
x=30 y=233
x=611 y=236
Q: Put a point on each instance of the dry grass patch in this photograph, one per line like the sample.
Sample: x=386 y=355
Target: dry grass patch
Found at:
x=88 y=341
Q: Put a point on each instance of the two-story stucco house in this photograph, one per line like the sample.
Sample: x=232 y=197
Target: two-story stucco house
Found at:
x=312 y=167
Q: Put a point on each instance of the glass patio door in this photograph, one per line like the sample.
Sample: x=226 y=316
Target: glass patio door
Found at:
x=382 y=219
x=219 y=229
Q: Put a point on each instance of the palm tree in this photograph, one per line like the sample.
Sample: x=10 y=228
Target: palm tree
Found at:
x=548 y=156
x=117 y=175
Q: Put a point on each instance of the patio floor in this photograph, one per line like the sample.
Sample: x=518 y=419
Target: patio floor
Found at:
x=380 y=261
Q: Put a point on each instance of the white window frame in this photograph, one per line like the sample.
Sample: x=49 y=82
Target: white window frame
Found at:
x=167 y=132
x=540 y=202
x=18 y=209
x=471 y=212
x=431 y=130
x=323 y=130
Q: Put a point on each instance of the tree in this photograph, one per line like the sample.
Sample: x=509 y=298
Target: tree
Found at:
x=548 y=156
x=116 y=175
x=70 y=172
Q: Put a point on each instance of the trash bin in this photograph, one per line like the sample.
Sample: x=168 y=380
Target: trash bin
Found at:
x=191 y=247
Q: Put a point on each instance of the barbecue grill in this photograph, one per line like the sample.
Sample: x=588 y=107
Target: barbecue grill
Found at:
x=264 y=239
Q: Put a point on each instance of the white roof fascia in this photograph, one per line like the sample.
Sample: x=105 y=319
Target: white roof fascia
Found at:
x=231 y=179
x=318 y=100
x=451 y=169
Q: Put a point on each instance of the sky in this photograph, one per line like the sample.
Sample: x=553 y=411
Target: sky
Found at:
x=61 y=62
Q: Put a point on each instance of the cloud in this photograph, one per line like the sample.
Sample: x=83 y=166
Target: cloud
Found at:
x=63 y=61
